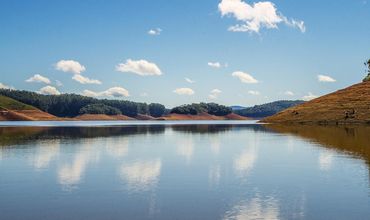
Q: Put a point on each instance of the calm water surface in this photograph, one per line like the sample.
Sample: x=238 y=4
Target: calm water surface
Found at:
x=197 y=170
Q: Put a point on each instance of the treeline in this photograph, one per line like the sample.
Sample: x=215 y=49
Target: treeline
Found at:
x=210 y=108
x=268 y=109
x=71 y=105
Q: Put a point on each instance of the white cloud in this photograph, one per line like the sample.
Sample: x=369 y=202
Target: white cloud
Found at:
x=256 y=16
x=323 y=78
x=309 y=97
x=289 y=93
x=214 y=93
x=140 y=67
x=116 y=92
x=155 y=31
x=3 y=86
x=252 y=92
x=144 y=94
x=184 y=91
x=90 y=93
x=84 y=80
x=189 y=80
x=49 y=90
x=214 y=64
x=39 y=79
x=244 y=77
x=111 y=92
x=70 y=66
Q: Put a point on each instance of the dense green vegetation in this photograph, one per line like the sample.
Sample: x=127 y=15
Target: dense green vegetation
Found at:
x=11 y=104
x=100 y=109
x=210 y=108
x=156 y=110
x=70 y=105
x=367 y=64
x=268 y=109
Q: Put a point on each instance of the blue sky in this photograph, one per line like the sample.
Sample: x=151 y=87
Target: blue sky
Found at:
x=85 y=41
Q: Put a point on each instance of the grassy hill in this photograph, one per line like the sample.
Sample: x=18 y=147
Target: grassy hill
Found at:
x=349 y=105
x=7 y=103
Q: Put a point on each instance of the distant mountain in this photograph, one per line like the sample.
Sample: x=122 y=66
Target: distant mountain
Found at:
x=237 y=107
x=349 y=105
x=268 y=109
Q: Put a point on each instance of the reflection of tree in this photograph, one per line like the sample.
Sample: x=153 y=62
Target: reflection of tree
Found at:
x=207 y=128
x=20 y=135
x=353 y=140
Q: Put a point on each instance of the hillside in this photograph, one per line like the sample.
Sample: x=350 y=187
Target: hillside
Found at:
x=268 y=109
x=349 y=105
x=11 y=104
x=13 y=110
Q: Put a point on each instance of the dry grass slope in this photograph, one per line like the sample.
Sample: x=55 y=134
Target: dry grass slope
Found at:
x=347 y=106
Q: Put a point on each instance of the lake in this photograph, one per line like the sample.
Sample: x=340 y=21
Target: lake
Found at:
x=183 y=170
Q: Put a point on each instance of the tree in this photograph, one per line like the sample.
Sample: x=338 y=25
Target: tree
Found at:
x=156 y=110
x=100 y=109
x=367 y=64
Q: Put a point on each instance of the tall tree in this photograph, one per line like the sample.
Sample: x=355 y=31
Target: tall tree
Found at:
x=367 y=64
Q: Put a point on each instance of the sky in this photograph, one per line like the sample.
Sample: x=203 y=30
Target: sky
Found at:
x=233 y=52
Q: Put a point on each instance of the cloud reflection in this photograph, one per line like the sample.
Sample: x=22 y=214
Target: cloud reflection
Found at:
x=325 y=160
x=141 y=175
x=186 y=148
x=117 y=147
x=256 y=208
x=45 y=152
x=71 y=174
x=244 y=163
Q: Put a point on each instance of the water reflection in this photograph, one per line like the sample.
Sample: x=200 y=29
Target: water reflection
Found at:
x=141 y=175
x=353 y=140
x=46 y=151
x=71 y=173
x=255 y=208
x=185 y=172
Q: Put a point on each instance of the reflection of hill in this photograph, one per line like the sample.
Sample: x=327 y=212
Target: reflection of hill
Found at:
x=354 y=140
x=204 y=128
x=19 y=135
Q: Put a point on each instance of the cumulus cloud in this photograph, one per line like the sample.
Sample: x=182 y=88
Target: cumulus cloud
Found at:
x=214 y=93
x=189 y=80
x=184 y=91
x=253 y=17
x=155 y=31
x=111 y=92
x=140 y=67
x=253 y=92
x=244 y=77
x=309 y=97
x=85 y=80
x=49 y=90
x=70 y=66
x=3 y=86
x=289 y=93
x=39 y=79
x=323 y=78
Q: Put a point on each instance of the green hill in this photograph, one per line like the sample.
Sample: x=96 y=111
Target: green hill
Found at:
x=11 y=104
x=268 y=109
